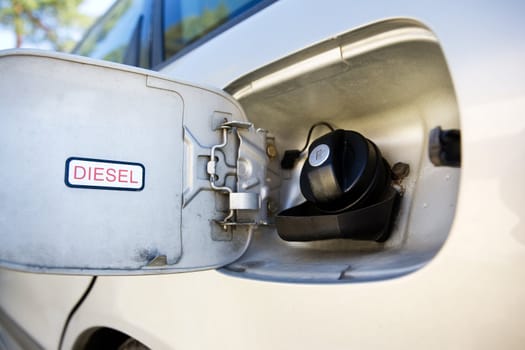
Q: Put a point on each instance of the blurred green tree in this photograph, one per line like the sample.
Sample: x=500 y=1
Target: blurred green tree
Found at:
x=52 y=21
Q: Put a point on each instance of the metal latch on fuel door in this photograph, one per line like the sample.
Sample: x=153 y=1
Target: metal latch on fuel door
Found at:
x=245 y=202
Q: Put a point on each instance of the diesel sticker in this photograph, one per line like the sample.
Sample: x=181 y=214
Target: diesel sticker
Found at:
x=104 y=174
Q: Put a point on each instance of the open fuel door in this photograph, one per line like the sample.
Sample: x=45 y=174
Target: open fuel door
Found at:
x=108 y=169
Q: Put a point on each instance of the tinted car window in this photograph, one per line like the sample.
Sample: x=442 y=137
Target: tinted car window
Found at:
x=187 y=21
x=116 y=36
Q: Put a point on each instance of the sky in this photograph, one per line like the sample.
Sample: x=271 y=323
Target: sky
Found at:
x=93 y=8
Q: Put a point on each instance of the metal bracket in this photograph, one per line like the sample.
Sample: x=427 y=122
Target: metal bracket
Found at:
x=444 y=147
x=250 y=173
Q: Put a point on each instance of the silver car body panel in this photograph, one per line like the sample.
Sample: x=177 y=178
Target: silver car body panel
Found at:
x=469 y=296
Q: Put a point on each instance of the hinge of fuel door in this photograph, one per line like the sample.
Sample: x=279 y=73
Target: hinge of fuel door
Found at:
x=248 y=195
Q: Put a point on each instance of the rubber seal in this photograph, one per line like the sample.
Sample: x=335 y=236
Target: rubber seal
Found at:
x=306 y=222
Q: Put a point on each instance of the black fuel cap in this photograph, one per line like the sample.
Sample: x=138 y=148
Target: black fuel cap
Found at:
x=343 y=170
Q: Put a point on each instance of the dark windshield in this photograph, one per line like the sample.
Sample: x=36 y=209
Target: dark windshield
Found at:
x=146 y=33
x=187 y=21
x=111 y=38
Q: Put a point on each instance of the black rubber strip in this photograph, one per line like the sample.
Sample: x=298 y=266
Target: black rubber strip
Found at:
x=74 y=309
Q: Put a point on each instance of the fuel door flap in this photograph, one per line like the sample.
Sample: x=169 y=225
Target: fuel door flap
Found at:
x=113 y=170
